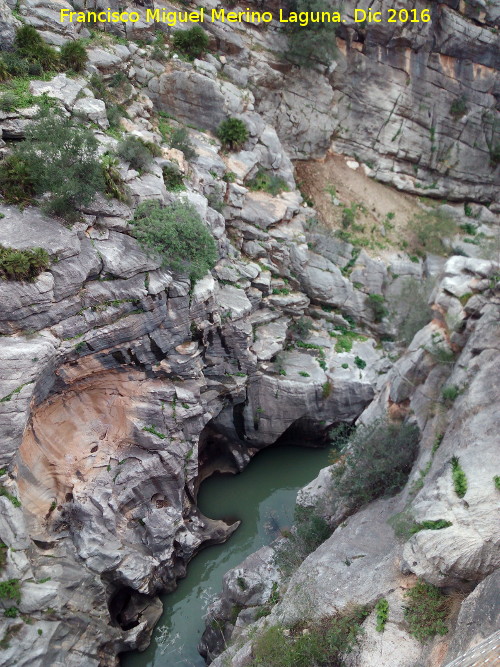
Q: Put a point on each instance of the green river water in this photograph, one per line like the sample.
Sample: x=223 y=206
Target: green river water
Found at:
x=263 y=498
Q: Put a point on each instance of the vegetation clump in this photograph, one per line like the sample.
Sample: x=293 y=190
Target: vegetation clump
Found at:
x=58 y=158
x=459 y=477
x=233 y=133
x=310 y=530
x=135 y=152
x=267 y=181
x=425 y=611
x=15 y=501
x=172 y=178
x=377 y=304
x=458 y=107
x=73 y=56
x=320 y=642
x=431 y=229
x=382 y=613
x=378 y=459
x=30 y=46
x=10 y=590
x=180 y=140
x=450 y=393
x=314 y=43
x=192 y=43
x=113 y=183
x=438 y=524
x=360 y=363
x=22 y=264
x=178 y=235
x=413 y=308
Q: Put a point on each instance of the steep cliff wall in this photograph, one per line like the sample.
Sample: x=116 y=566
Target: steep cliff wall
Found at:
x=118 y=378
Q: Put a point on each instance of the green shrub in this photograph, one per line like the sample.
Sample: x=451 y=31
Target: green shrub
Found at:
x=16 y=180
x=459 y=477
x=179 y=139
x=10 y=590
x=314 y=43
x=438 y=524
x=233 y=133
x=11 y=612
x=172 y=178
x=30 y=45
x=360 y=363
x=3 y=555
x=326 y=389
x=3 y=492
x=114 y=114
x=319 y=642
x=348 y=216
x=376 y=302
x=425 y=611
x=378 y=460
x=4 y=72
x=61 y=159
x=382 y=612
x=178 y=235
x=73 y=56
x=151 y=429
x=22 y=264
x=267 y=181
x=450 y=393
x=459 y=107
x=310 y=530
x=135 y=152
x=345 y=339
x=496 y=482
x=113 y=183
x=8 y=102
x=192 y=43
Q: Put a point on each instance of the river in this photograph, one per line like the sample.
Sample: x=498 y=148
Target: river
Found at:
x=263 y=498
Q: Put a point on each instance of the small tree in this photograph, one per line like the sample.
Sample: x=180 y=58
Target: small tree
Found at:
x=192 y=43
x=233 y=133
x=178 y=235
x=62 y=160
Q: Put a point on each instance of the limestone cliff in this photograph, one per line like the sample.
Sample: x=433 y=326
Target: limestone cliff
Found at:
x=121 y=383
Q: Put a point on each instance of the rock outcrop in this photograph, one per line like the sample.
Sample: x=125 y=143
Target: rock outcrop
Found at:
x=370 y=555
x=120 y=379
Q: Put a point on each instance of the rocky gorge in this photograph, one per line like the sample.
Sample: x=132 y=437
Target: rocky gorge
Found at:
x=124 y=384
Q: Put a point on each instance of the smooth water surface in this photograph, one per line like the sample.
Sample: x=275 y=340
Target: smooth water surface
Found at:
x=263 y=498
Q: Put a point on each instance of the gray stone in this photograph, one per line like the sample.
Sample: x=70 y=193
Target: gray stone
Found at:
x=92 y=109
x=122 y=257
x=61 y=87
x=30 y=228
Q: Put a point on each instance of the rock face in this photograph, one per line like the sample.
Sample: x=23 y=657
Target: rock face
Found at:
x=120 y=379
x=364 y=560
x=408 y=79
